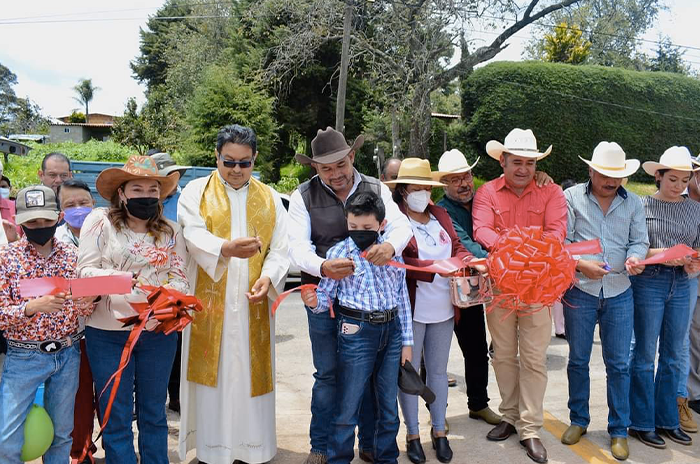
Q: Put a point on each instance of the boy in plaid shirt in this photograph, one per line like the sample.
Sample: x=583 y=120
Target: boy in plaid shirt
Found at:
x=375 y=332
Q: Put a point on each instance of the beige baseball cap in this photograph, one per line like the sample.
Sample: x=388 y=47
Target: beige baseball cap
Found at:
x=36 y=202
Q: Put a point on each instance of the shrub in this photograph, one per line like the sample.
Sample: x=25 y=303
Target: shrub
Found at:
x=77 y=117
x=574 y=108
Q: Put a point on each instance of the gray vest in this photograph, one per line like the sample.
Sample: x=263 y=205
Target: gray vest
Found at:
x=327 y=215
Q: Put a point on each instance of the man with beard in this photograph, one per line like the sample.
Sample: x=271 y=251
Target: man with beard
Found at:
x=317 y=222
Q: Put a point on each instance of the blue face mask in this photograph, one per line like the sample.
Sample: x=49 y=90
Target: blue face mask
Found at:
x=76 y=216
x=4 y=192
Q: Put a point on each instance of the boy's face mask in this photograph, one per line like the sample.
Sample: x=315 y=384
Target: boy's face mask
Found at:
x=364 y=238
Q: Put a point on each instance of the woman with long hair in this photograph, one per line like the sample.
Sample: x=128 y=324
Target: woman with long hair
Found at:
x=132 y=236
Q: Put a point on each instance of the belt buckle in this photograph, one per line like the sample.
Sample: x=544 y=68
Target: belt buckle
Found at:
x=377 y=317
x=51 y=346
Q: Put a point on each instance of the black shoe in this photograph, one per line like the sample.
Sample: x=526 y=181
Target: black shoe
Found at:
x=648 y=438
x=366 y=456
x=562 y=336
x=694 y=405
x=676 y=435
x=414 y=450
x=442 y=447
x=174 y=405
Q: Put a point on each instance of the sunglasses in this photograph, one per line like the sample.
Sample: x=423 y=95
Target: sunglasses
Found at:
x=232 y=164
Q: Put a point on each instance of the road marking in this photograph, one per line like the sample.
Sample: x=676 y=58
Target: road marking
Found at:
x=586 y=449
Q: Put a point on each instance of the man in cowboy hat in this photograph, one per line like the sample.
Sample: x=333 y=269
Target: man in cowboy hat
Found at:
x=509 y=201
x=236 y=233
x=456 y=174
x=166 y=164
x=602 y=209
x=317 y=222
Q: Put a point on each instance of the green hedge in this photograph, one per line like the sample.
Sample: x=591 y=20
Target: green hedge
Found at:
x=574 y=108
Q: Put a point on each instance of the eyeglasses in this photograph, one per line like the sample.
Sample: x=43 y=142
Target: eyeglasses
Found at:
x=428 y=238
x=232 y=164
x=459 y=180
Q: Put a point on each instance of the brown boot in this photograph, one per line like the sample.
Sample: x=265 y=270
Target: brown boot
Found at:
x=688 y=424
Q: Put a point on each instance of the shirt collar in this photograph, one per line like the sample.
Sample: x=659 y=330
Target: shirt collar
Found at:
x=620 y=190
x=501 y=184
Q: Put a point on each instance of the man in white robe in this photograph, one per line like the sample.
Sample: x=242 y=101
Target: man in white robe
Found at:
x=229 y=421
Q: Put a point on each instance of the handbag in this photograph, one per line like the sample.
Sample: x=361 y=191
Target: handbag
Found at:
x=470 y=289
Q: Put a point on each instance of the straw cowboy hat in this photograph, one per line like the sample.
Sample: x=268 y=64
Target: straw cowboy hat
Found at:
x=609 y=160
x=136 y=167
x=454 y=162
x=678 y=158
x=329 y=146
x=417 y=171
x=519 y=143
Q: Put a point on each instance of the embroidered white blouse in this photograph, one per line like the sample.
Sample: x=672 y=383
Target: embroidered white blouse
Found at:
x=105 y=251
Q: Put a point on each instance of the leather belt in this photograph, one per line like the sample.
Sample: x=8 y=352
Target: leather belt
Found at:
x=47 y=346
x=373 y=317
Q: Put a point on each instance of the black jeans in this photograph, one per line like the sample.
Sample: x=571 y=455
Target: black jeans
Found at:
x=471 y=336
x=174 y=382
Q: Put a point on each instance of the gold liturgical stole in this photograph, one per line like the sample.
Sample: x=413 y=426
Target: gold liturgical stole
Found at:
x=207 y=328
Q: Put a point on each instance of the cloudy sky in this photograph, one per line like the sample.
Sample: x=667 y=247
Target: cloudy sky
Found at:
x=50 y=45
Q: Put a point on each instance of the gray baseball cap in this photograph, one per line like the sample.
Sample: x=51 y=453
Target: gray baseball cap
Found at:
x=36 y=202
x=166 y=164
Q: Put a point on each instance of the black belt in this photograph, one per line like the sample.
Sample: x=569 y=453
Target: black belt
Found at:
x=373 y=317
x=47 y=346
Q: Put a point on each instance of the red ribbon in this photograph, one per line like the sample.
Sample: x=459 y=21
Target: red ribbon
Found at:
x=172 y=310
x=284 y=295
x=440 y=266
x=675 y=252
x=87 y=286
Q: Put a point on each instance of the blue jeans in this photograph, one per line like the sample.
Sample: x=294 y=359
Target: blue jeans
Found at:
x=372 y=353
x=685 y=352
x=615 y=316
x=661 y=308
x=323 y=332
x=149 y=370
x=22 y=373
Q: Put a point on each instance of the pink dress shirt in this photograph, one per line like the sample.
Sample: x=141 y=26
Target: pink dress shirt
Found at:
x=497 y=208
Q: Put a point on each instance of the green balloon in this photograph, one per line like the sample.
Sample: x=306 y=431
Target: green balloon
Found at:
x=38 y=434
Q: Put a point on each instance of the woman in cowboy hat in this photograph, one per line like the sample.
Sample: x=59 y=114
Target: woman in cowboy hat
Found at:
x=433 y=313
x=133 y=237
x=661 y=295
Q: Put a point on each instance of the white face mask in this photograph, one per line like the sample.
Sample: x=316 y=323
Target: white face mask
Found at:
x=4 y=192
x=418 y=201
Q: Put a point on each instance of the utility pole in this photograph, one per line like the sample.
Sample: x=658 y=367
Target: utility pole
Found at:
x=344 y=61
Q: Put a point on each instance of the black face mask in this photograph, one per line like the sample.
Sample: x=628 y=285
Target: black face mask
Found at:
x=143 y=208
x=40 y=236
x=364 y=238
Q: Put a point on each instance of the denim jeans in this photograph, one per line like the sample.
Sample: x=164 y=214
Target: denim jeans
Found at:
x=148 y=369
x=323 y=332
x=374 y=352
x=615 y=316
x=661 y=308
x=685 y=352
x=23 y=372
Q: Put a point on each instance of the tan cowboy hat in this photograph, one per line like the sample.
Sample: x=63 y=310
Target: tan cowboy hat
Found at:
x=454 y=162
x=136 y=167
x=328 y=147
x=678 y=158
x=609 y=160
x=519 y=143
x=416 y=171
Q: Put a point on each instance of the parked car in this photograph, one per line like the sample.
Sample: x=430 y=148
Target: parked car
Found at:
x=294 y=274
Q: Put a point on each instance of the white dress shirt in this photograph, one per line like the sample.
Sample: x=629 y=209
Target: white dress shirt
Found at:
x=302 y=251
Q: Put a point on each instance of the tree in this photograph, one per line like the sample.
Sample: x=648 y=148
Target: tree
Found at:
x=613 y=27
x=407 y=46
x=28 y=118
x=8 y=98
x=565 y=45
x=131 y=129
x=669 y=58
x=86 y=92
x=221 y=99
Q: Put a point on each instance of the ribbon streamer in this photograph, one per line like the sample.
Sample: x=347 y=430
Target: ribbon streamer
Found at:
x=440 y=266
x=675 y=252
x=284 y=295
x=172 y=311
x=88 y=286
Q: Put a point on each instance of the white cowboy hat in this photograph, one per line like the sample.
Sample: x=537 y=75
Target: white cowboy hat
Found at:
x=454 y=162
x=519 y=143
x=609 y=160
x=678 y=158
x=416 y=171
x=696 y=162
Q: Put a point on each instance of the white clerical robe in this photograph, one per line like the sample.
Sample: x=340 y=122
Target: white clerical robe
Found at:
x=225 y=423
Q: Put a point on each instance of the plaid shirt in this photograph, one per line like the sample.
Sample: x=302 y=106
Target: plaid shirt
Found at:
x=20 y=260
x=369 y=288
